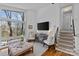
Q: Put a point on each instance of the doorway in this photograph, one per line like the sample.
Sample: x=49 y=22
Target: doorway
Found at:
x=67 y=18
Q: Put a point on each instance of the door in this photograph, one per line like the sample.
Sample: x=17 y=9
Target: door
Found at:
x=67 y=20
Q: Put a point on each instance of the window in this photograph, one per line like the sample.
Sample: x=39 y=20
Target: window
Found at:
x=11 y=24
x=2 y=13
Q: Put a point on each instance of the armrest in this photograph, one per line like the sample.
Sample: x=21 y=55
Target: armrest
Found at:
x=49 y=41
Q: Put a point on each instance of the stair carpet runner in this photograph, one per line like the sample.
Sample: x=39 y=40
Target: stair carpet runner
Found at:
x=66 y=42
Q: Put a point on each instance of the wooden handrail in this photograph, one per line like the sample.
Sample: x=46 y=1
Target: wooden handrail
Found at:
x=73 y=26
x=56 y=35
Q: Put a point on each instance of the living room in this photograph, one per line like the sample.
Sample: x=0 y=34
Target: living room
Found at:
x=30 y=25
x=34 y=27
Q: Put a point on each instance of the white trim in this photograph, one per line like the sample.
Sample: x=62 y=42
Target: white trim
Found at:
x=11 y=8
x=8 y=19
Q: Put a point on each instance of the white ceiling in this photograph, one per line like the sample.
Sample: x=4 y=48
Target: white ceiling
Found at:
x=35 y=6
x=65 y=4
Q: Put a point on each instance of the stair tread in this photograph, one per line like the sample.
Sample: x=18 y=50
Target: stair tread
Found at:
x=71 y=35
x=65 y=42
x=66 y=33
x=68 y=48
x=71 y=49
x=65 y=45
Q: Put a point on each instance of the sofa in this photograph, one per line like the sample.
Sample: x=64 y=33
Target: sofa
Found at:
x=16 y=48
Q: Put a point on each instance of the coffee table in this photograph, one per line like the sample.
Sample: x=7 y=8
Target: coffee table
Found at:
x=19 y=50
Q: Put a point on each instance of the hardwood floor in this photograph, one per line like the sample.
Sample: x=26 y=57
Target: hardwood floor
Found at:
x=52 y=52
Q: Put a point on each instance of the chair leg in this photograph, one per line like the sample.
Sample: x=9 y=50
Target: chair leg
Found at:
x=54 y=47
x=44 y=44
x=32 y=49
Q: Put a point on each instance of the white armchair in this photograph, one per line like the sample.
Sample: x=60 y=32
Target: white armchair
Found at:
x=49 y=41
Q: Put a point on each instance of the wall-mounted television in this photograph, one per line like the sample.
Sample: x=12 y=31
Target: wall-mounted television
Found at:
x=43 y=26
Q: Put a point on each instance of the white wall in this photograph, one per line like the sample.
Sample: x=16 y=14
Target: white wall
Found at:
x=50 y=13
x=30 y=16
x=76 y=20
x=76 y=17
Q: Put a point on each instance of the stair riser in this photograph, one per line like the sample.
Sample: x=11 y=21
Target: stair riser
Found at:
x=66 y=45
x=66 y=38
x=69 y=49
x=65 y=35
x=66 y=41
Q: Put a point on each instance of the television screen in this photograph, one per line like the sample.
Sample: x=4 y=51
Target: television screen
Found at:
x=43 y=26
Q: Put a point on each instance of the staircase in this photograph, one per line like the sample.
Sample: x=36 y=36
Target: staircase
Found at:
x=66 y=42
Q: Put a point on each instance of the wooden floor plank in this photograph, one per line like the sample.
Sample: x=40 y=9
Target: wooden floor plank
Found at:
x=52 y=52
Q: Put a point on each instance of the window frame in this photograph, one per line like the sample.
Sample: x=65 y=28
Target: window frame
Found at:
x=13 y=21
